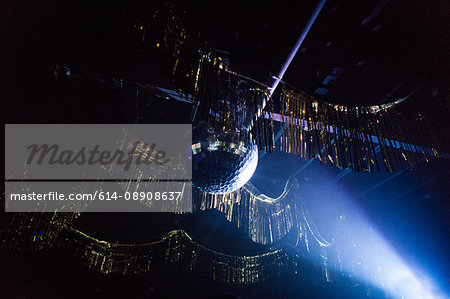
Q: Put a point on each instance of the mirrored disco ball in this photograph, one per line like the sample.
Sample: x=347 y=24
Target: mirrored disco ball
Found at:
x=221 y=162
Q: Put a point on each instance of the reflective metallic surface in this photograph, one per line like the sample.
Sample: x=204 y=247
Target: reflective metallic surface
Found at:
x=221 y=162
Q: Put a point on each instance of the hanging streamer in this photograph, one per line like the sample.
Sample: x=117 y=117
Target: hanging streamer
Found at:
x=350 y=137
x=266 y=219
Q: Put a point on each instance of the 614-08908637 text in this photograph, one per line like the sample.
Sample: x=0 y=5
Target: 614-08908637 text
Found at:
x=103 y=196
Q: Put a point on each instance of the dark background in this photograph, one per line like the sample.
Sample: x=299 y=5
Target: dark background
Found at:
x=404 y=48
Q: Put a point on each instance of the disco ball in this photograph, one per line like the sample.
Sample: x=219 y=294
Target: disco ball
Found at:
x=222 y=162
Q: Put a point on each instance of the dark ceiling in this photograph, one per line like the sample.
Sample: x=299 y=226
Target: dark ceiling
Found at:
x=381 y=50
x=380 y=46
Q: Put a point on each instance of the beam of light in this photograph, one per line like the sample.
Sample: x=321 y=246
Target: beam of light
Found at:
x=299 y=42
x=371 y=258
x=363 y=252
x=291 y=56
